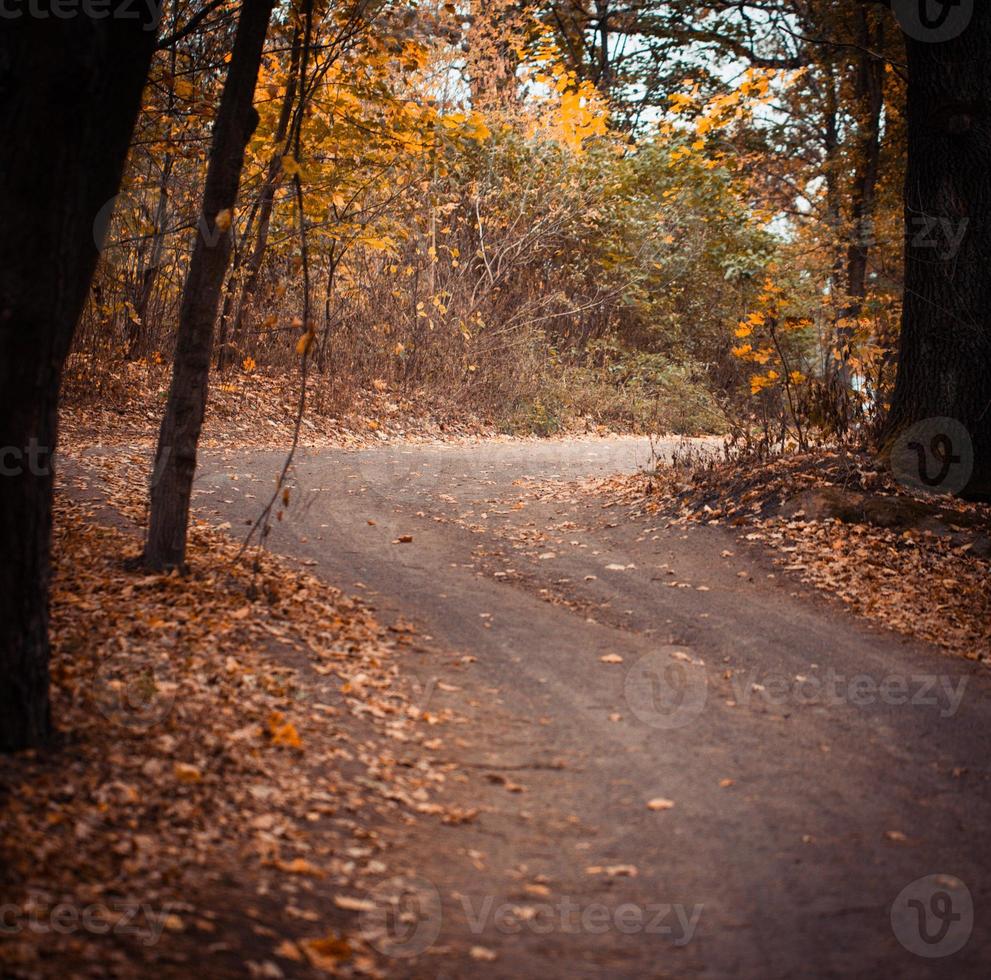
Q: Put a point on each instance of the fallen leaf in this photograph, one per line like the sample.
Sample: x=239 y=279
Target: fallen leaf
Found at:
x=186 y=773
x=613 y=870
x=354 y=904
x=299 y=866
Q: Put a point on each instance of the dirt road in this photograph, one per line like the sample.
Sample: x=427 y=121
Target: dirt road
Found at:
x=682 y=764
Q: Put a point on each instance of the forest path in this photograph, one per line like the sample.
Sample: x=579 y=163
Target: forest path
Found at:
x=817 y=766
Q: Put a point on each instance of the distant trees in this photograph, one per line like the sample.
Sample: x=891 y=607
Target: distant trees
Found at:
x=70 y=91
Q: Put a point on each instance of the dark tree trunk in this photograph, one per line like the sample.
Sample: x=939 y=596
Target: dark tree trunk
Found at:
x=603 y=27
x=944 y=367
x=70 y=90
x=869 y=100
x=175 y=461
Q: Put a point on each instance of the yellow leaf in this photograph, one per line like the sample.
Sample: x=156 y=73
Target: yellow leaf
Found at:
x=283 y=732
x=186 y=773
x=325 y=954
x=299 y=866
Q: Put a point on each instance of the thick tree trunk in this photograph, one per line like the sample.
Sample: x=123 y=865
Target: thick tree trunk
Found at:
x=944 y=367
x=70 y=91
x=175 y=461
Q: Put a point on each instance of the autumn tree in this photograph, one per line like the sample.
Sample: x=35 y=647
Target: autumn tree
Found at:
x=70 y=91
x=175 y=460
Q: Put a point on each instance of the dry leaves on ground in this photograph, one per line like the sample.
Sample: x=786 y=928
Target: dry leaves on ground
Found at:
x=236 y=751
x=926 y=577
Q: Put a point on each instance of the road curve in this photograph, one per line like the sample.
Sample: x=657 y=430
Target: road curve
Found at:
x=828 y=781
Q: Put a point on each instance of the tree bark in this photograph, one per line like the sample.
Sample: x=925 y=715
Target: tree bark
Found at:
x=70 y=90
x=175 y=460
x=869 y=101
x=944 y=367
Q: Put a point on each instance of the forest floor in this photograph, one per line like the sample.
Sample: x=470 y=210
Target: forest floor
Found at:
x=584 y=720
x=124 y=406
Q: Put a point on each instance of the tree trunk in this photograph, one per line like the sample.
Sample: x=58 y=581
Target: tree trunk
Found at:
x=869 y=100
x=175 y=460
x=70 y=91
x=604 y=72
x=944 y=367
